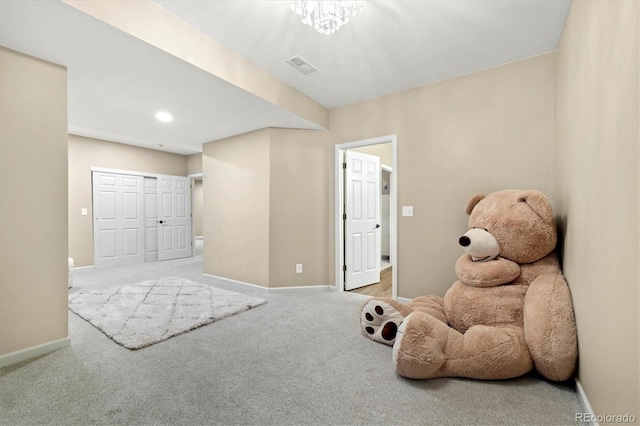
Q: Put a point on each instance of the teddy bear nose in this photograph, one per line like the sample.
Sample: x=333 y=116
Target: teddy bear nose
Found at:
x=464 y=241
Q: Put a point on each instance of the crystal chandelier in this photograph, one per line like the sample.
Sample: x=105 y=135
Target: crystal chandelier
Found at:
x=326 y=16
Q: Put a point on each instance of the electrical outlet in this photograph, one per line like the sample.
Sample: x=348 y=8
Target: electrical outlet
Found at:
x=298 y=268
x=407 y=210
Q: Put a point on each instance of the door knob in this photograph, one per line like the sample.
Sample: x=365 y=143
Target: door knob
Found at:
x=377 y=226
x=161 y=222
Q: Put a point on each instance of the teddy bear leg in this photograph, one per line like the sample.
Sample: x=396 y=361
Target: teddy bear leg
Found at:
x=426 y=348
x=550 y=327
x=380 y=318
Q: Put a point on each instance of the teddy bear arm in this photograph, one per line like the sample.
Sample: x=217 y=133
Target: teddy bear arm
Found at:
x=550 y=327
x=432 y=305
x=486 y=274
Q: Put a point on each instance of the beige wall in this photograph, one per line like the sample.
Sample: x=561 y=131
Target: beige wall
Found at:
x=236 y=207
x=301 y=171
x=273 y=212
x=597 y=140
x=482 y=132
x=194 y=164
x=85 y=153
x=196 y=208
x=33 y=208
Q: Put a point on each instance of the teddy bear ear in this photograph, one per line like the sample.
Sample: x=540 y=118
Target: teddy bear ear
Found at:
x=475 y=199
x=539 y=203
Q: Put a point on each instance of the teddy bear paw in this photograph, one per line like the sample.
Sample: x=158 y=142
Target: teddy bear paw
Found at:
x=379 y=321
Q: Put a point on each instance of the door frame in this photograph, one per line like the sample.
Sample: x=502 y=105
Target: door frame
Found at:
x=389 y=169
x=339 y=209
x=193 y=177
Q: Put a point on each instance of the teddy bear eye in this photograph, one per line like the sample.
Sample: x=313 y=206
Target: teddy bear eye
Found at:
x=486 y=229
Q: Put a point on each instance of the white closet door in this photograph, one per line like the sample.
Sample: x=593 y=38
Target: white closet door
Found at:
x=118 y=209
x=150 y=219
x=174 y=217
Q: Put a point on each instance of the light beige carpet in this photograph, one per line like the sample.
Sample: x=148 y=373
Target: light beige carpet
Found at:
x=142 y=314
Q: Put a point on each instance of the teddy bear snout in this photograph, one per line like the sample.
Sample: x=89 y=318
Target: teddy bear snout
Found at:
x=480 y=244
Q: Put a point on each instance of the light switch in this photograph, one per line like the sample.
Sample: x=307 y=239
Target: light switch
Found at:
x=83 y=212
x=407 y=210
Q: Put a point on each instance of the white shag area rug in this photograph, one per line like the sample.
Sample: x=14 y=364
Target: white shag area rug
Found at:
x=142 y=314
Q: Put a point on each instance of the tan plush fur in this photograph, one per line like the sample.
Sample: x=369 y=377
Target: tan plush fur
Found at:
x=502 y=317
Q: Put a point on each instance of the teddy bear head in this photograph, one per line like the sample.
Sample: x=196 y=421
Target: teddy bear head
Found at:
x=514 y=224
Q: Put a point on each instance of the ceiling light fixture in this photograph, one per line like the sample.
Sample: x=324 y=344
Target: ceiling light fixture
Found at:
x=163 y=116
x=326 y=16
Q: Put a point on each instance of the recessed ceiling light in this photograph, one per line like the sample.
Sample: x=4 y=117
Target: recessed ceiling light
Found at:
x=163 y=116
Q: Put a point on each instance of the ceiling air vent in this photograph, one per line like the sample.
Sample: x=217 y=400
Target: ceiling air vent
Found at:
x=301 y=65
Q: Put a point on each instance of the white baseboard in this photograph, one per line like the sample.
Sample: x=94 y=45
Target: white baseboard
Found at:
x=241 y=284
x=582 y=396
x=298 y=288
x=34 y=351
x=78 y=268
x=237 y=284
x=404 y=300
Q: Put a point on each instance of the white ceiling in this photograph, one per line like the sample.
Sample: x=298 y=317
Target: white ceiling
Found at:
x=117 y=82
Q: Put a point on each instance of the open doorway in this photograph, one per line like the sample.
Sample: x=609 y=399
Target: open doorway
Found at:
x=196 y=209
x=355 y=258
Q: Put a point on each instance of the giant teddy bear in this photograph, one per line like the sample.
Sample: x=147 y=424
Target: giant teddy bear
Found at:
x=510 y=310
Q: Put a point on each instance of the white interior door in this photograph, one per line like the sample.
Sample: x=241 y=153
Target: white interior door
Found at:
x=362 y=222
x=174 y=217
x=150 y=219
x=118 y=219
